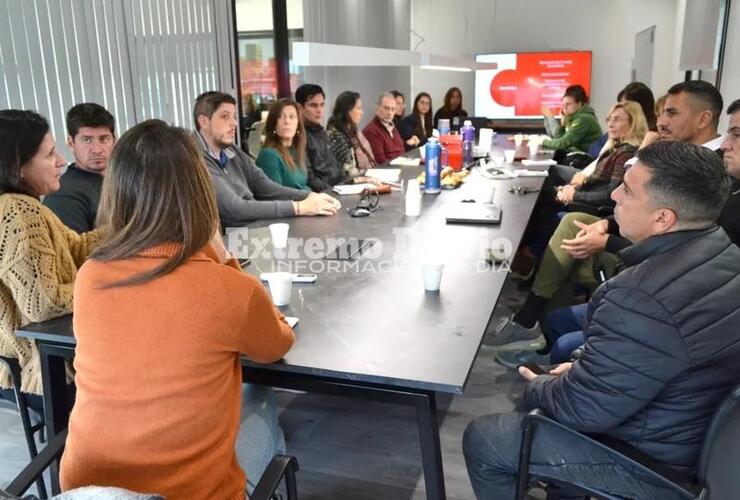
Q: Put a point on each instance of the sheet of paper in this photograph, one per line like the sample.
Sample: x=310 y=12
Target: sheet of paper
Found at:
x=530 y=173
x=402 y=161
x=346 y=189
x=292 y=321
x=386 y=174
x=538 y=163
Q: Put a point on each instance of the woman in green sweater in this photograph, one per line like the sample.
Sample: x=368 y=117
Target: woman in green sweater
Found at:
x=283 y=153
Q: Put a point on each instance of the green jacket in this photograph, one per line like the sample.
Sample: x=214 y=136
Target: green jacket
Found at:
x=580 y=130
x=270 y=161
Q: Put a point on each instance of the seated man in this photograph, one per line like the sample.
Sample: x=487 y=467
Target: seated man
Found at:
x=323 y=170
x=243 y=192
x=90 y=136
x=691 y=114
x=564 y=326
x=660 y=353
x=578 y=127
x=382 y=134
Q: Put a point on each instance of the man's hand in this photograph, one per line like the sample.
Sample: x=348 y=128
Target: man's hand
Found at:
x=367 y=180
x=561 y=369
x=590 y=239
x=413 y=141
x=318 y=204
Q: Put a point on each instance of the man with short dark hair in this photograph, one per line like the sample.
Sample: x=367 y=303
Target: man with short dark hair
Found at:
x=91 y=136
x=578 y=127
x=243 y=192
x=382 y=134
x=730 y=217
x=323 y=170
x=661 y=349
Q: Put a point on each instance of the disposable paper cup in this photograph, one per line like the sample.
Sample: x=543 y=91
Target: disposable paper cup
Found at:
x=423 y=152
x=485 y=193
x=509 y=155
x=279 y=234
x=281 y=286
x=518 y=139
x=534 y=147
x=499 y=161
x=432 y=276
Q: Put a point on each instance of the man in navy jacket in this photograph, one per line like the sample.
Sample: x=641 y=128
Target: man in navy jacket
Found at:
x=662 y=341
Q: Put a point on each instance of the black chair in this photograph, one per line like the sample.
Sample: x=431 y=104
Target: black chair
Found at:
x=29 y=429
x=280 y=467
x=716 y=477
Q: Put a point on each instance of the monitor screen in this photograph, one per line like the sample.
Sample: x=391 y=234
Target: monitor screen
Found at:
x=524 y=82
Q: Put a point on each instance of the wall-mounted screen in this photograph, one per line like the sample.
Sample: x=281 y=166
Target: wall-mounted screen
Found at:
x=526 y=81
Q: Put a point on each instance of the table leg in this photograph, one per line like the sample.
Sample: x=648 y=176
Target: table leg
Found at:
x=431 y=451
x=56 y=404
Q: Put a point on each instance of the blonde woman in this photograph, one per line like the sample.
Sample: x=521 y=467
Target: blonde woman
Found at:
x=626 y=127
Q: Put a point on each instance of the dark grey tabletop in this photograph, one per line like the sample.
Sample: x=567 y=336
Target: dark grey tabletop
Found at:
x=370 y=319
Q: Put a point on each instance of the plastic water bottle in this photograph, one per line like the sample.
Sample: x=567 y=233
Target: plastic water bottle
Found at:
x=432 y=169
x=443 y=125
x=468 y=133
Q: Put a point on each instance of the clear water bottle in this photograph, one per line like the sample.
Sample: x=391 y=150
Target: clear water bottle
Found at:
x=432 y=169
x=468 y=133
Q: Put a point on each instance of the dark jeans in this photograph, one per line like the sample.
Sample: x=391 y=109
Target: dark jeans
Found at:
x=564 y=330
x=491 y=448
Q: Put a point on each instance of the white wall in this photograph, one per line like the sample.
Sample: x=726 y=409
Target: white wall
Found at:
x=606 y=27
x=730 y=84
x=368 y=23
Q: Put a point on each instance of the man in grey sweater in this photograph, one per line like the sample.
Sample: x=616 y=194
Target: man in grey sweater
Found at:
x=243 y=192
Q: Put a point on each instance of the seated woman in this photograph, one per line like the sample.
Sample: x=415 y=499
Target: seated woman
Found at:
x=346 y=141
x=419 y=123
x=39 y=255
x=282 y=156
x=162 y=315
x=451 y=109
x=626 y=127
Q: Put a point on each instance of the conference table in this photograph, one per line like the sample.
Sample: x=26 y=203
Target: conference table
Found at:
x=367 y=327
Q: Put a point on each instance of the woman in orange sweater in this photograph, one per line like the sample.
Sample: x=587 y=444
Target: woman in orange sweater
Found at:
x=162 y=316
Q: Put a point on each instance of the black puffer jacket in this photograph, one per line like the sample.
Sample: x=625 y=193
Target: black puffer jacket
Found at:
x=662 y=348
x=323 y=170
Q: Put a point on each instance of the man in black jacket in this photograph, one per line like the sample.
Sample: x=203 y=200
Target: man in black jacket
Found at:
x=324 y=171
x=730 y=217
x=661 y=348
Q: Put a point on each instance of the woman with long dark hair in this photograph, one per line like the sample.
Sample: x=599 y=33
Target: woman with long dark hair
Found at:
x=283 y=154
x=39 y=255
x=346 y=141
x=162 y=316
x=419 y=123
x=452 y=109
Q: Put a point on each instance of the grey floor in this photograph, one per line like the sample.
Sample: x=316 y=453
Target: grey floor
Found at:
x=352 y=449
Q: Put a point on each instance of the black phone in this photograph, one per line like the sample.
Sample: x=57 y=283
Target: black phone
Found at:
x=533 y=367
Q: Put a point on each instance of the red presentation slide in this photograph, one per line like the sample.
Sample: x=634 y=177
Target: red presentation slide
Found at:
x=524 y=82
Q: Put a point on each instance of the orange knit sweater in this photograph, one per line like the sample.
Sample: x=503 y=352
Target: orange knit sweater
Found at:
x=159 y=378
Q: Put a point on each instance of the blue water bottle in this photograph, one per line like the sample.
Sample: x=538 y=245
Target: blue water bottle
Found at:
x=433 y=153
x=468 y=134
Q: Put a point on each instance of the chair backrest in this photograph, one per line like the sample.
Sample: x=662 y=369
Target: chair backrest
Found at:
x=721 y=451
x=255 y=138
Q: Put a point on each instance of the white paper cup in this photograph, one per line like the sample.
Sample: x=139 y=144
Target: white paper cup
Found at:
x=534 y=148
x=509 y=156
x=279 y=234
x=423 y=152
x=484 y=193
x=281 y=286
x=499 y=161
x=432 y=276
x=518 y=139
